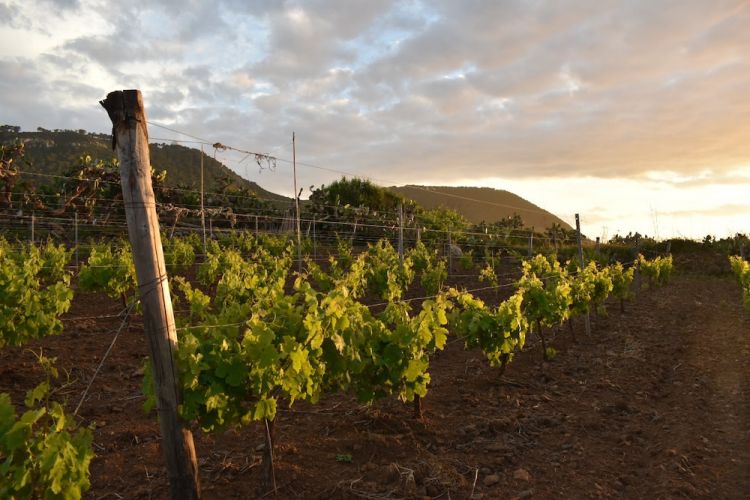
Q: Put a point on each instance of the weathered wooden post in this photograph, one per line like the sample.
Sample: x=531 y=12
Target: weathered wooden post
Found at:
x=598 y=244
x=587 y=318
x=130 y=141
x=33 y=220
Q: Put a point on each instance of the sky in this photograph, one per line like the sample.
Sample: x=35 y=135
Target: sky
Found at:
x=635 y=114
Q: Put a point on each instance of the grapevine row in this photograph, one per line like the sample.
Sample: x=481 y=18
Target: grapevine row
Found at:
x=250 y=344
x=42 y=452
x=741 y=269
x=257 y=335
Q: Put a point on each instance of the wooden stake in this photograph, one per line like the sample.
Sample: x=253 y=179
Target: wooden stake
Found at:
x=450 y=253
x=75 y=233
x=296 y=204
x=587 y=318
x=203 y=212
x=531 y=242
x=401 y=234
x=637 y=266
x=418 y=410
x=130 y=141
x=268 y=472
x=33 y=219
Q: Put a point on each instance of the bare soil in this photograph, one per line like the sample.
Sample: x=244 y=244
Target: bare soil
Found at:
x=654 y=404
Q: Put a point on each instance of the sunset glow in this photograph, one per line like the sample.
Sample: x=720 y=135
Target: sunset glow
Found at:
x=634 y=114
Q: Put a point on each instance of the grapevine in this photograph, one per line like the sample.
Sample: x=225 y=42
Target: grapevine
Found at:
x=546 y=293
x=110 y=269
x=41 y=453
x=489 y=276
x=741 y=269
x=590 y=287
x=499 y=333
x=386 y=276
x=431 y=269
x=657 y=271
x=34 y=291
x=622 y=281
x=433 y=277
x=179 y=254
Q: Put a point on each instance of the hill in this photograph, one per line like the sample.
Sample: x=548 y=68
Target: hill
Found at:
x=56 y=152
x=481 y=204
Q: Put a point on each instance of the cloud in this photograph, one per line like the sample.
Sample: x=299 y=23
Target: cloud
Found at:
x=721 y=211
x=308 y=40
x=10 y=15
x=407 y=90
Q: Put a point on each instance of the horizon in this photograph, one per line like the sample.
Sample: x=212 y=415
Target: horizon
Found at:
x=605 y=233
x=633 y=115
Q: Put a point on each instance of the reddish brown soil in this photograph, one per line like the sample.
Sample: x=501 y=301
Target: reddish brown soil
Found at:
x=655 y=404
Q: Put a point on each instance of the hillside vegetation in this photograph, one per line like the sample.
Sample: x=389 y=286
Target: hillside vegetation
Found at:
x=481 y=204
x=56 y=152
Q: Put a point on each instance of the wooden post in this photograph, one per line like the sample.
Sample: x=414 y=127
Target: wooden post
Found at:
x=669 y=247
x=315 y=241
x=598 y=243
x=75 y=235
x=587 y=319
x=296 y=204
x=742 y=250
x=450 y=253
x=401 y=234
x=130 y=140
x=203 y=212
x=419 y=234
x=256 y=225
x=637 y=266
x=531 y=242
x=33 y=219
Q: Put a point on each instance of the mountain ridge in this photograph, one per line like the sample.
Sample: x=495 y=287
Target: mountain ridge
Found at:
x=56 y=152
x=481 y=204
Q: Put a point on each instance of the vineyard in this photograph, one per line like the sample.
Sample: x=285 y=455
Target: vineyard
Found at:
x=458 y=361
x=258 y=340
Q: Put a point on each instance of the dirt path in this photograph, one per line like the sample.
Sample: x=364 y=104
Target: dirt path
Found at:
x=655 y=404
x=703 y=396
